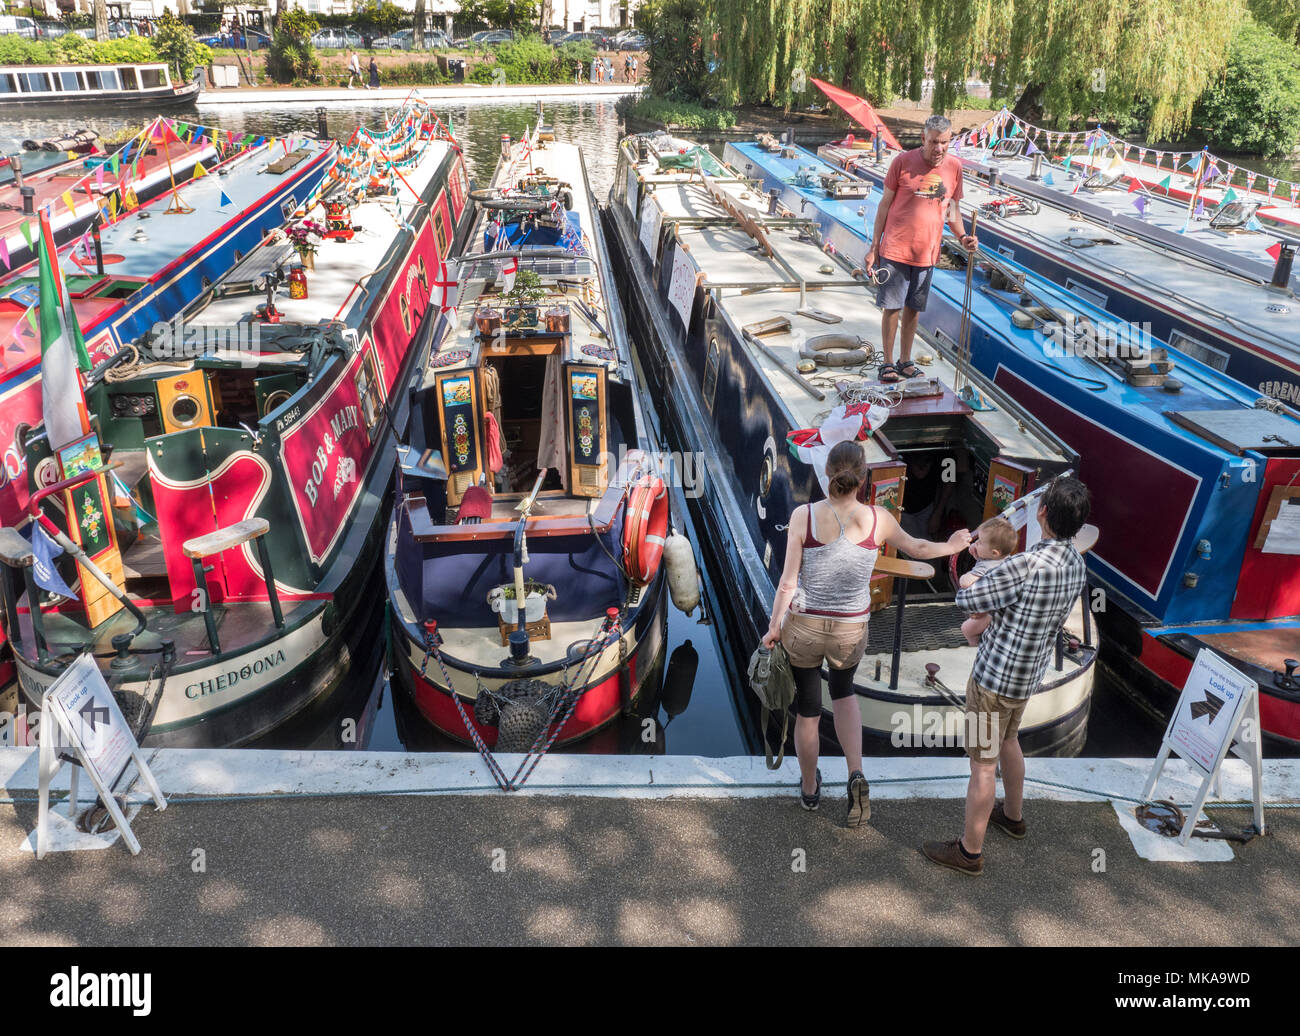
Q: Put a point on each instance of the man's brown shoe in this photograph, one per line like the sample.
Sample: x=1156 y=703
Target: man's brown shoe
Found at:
x=1014 y=828
x=949 y=854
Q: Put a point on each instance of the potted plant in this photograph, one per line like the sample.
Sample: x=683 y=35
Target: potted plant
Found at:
x=519 y=300
x=306 y=238
x=502 y=600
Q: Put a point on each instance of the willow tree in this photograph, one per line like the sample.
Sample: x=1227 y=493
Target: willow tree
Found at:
x=1066 y=58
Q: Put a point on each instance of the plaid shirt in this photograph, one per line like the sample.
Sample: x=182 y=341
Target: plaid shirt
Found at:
x=1030 y=596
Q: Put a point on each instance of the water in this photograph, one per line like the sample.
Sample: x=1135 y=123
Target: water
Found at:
x=715 y=716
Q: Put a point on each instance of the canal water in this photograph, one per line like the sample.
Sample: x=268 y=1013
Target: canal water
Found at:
x=702 y=707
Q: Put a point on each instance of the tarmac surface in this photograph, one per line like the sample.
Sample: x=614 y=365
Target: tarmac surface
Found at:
x=581 y=870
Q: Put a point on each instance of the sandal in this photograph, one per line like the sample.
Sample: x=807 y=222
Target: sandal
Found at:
x=889 y=374
x=909 y=370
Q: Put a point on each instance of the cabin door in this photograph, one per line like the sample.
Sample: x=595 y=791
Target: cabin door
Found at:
x=1008 y=481
x=205 y=479
x=885 y=489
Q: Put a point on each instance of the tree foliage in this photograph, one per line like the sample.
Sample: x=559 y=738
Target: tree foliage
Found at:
x=501 y=14
x=1255 y=106
x=292 y=56
x=1282 y=16
x=379 y=17
x=1063 y=57
x=175 y=43
x=679 y=53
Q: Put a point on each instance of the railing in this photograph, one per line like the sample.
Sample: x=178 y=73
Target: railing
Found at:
x=200 y=547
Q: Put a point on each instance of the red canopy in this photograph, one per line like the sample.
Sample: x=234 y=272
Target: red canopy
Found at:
x=860 y=110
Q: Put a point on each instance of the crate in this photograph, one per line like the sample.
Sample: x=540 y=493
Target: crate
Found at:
x=539 y=630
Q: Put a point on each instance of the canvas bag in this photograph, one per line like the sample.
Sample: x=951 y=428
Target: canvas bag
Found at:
x=772 y=681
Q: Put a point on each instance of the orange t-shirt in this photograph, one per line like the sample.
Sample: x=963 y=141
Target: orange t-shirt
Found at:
x=914 y=227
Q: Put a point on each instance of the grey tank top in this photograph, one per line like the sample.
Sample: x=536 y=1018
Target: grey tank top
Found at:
x=835 y=577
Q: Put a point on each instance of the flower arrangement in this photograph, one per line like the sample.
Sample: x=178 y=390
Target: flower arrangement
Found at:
x=306 y=238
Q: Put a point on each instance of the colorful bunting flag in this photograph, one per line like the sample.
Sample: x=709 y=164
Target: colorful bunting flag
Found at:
x=1047 y=178
x=225 y=200
x=67 y=200
x=1140 y=203
x=1134 y=184
x=199 y=170
x=1200 y=206
x=4 y=253
x=1274 y=250
x=1229 y=196
x=27 y=233
x=1066 y=163
x=1165 y=182
x=1030 y=149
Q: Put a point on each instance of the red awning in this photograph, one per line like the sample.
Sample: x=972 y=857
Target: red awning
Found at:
x=861 y=111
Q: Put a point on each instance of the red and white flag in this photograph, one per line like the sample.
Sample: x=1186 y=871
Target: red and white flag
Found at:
x=508 y=272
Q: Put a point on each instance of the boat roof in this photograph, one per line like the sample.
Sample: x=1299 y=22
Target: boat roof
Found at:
x=541 y=252
x=340 y=266
x=1203 y=387
x=1220 y=276
x=753 y=287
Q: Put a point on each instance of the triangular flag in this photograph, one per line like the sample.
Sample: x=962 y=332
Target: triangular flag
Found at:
x=1254 y=224
x=1047 y=178
x=4 y=253
x=112 y=206
x=63 y=350
x=99 y=175
x=1229 y=196
x=44 y=573
x=1140 y=203
x=1200 y=207
x=27 y=233
x=1014 y=130
x=199 y=170
x=1066 y=163
x=67 y=200
x=1274 y=250
x=1134 y=184
x=1165 y=182
x=115 y=163
x=224 y=200
x=1029 y=148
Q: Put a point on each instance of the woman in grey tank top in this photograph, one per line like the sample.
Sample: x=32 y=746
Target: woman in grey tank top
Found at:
x=821 y=609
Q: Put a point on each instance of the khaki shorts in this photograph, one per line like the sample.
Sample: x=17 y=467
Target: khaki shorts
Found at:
x=808 y=639
x=991 y=719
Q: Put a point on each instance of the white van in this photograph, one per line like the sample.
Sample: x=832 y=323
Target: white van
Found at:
x=16 y=24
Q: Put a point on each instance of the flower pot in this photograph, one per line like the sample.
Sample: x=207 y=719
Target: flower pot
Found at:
x=535 y=598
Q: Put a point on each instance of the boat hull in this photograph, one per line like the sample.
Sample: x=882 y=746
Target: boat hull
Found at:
x=155 y=100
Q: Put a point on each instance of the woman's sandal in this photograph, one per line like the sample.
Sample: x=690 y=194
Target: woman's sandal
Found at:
x=889 y=374
x=909 y=370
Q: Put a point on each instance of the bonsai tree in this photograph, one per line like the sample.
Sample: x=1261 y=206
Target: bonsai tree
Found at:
x=528 y=288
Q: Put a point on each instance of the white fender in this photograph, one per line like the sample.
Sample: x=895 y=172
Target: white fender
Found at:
x=683 y=579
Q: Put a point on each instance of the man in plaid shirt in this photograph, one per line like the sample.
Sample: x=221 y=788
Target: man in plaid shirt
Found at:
x=1030 y=596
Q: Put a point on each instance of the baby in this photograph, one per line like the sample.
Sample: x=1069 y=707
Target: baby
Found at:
x=995 y=540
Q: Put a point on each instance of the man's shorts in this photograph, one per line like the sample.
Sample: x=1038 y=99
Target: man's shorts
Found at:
x=907 y=286
x=991 y=719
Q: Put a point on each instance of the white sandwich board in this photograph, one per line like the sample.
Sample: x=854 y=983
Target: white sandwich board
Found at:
x=1217 y=712
x=81 y=714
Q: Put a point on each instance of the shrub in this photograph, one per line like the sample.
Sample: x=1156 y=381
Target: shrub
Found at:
x=292 y=55
x=684 y=114
x=678 y=64
x=175 y=43
x=1256 y=106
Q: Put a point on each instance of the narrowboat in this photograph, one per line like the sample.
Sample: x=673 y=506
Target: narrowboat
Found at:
x=144 y=266
x=757 y=336
x=526 y=552
x=1189 y=466
x=78 y=189
x=125 y=87
x=230 y=495
x=1208 y=286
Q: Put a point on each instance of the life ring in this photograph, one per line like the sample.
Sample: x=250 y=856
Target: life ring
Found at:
x=836 y=350
x=645 y=527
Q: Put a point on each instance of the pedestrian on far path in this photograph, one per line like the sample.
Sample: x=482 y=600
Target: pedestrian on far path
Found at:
x=596 y=69
x=831 y=550
x=354 y=69
x=374 y=73
x=921 y=192
x=1030 y=596
x=634 y=68
x=627 y=68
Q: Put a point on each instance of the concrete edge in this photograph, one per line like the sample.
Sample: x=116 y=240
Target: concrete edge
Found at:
x=245 y=773
x=470 y=92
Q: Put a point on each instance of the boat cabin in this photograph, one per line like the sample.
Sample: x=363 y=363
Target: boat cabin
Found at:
x=92 y=81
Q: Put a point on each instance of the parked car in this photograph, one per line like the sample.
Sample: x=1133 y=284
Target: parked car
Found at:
x=630 y=41
x=116 y=30
x=17 y=25
x=337 y=39
x=256 y=40
x=404 y=39
x=598 y=39
x=487 y=38
x=52 y=30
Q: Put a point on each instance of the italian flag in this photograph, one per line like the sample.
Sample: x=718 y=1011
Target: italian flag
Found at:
x=63 y=351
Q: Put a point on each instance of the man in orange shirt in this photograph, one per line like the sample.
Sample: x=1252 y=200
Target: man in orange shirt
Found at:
x=922 y=189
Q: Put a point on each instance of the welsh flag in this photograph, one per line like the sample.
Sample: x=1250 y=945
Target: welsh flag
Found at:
x=63 y=351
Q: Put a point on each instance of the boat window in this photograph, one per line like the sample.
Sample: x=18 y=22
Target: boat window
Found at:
x=128 y=78
x=67 y=81
x=440 y=231
x=711 y=373
x=106 y=79
x=151 y=78
x=1091 y=294
x=1207 y=354
x=7 y=85
x=34 y=82
x=367 y=383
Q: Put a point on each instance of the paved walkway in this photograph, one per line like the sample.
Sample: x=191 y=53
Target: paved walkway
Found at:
x=333 y=848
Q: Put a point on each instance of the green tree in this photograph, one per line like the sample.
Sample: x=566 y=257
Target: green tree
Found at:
x=379 y=17
x=1282 y=16
x=175 y=43
x=678 y=56
x=292 y=56
x=1255 y=106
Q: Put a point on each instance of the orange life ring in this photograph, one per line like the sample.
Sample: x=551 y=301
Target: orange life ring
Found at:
x=644 y=528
